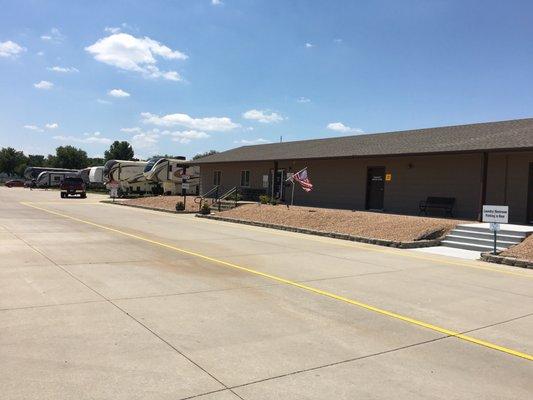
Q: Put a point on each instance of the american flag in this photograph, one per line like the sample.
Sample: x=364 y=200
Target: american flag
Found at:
x=302 y=178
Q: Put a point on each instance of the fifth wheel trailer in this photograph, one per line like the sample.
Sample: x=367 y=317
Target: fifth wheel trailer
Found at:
x=128 y=175
x=170 y=173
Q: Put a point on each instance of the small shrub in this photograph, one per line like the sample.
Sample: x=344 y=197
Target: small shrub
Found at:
x=235 y=197
x=205 y=209
x=264 y=199
x=274 y=202
x=180 y=206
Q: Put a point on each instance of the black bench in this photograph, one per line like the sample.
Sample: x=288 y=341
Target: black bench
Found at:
x=442 y=203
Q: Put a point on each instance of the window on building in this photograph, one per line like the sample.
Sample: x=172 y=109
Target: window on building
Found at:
x=217 y=178
x=245 y=178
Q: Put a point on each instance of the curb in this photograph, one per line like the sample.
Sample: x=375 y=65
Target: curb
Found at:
x=515 y=262
x=343 y=236
x=118 y=203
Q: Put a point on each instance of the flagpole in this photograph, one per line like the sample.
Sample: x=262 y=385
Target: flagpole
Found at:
x=292 y=196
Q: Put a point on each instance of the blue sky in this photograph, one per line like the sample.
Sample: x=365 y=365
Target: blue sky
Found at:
x=183 y=77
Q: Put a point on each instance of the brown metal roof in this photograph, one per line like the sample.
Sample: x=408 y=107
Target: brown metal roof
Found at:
x=503 y=135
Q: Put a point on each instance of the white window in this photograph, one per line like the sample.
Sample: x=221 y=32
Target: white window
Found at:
x=245 y=178
x=217 y=178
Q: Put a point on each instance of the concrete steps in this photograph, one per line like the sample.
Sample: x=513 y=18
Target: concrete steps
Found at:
x=480 y=238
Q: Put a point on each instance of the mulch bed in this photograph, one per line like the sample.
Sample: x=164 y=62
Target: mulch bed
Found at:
x=522 y=251
x=166 y=203
x=399 y=228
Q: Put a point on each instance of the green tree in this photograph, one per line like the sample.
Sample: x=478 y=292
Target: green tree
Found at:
x=70 y=157
x=11 y=160
x=119 y=151
x=205 y=154
x=95 y=161
x=36 y=160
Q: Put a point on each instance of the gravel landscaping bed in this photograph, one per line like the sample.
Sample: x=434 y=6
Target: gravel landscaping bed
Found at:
x=397 y=228
x=522 y=251
x=166 y=203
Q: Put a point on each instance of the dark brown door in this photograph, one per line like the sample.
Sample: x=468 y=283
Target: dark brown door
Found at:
x=530 y=196
x=375 y=188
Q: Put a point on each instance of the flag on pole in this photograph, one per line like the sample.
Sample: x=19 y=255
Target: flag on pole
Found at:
x=302 y=178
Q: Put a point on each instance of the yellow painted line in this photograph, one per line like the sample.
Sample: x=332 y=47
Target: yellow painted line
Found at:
x=66 y=202
x=377 y=310
x=380 y=249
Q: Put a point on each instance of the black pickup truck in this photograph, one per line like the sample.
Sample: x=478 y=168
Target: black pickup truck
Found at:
x=72 y=187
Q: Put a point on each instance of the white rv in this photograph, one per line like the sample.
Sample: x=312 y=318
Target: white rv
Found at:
x=96 y=175
x=48 y=179
x=128 y=175
x=170 y=173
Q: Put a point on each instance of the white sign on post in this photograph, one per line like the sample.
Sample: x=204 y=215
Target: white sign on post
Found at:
x=185 y=185
x=495 y=226
x=499 y=214
x=113 y=192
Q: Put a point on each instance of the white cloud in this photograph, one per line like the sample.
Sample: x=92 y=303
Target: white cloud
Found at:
x=248 y=142
x=216 y=2
x=52 y=125
x=90 y=138
x=112 y=29
x=340 y=127
x=309 y=45
x=210 y=124
x=185 y=137
x=63 y=69
x=129 y=53
x=44 y=85
x=33 y=128
x=145 y=140
x=135 y=129
x=10 y=49
x=303 y=100
x=118 y=93
x=263 y=116
x=54 y=36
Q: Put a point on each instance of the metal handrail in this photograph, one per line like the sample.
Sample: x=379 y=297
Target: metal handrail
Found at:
x=214 y=189
x=233 y=190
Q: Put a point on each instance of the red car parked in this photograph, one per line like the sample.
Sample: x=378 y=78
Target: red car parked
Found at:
x=15 y=183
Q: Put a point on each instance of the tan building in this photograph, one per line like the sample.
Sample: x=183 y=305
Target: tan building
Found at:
x=488 y=163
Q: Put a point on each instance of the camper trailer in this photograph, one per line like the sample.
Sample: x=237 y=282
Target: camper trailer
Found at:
x=32 y=173
x=48 y=179
x=169 y=173
x=128 y=175
x=96 y=176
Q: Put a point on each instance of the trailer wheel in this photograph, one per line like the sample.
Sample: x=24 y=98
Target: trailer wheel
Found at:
x=83 y=195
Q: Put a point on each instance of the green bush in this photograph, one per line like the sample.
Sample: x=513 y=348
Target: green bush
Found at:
x=274 y=202
x=205 y=209
x=234 y=197
x=264 y=199
x=180 y=206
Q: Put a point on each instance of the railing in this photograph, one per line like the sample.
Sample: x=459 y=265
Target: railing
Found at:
x=230 y=192
x=200 y=199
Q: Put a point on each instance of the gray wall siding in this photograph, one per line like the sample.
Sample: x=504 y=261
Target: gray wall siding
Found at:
x=341 y=183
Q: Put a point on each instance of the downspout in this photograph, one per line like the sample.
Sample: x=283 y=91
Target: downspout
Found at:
x=483 y=185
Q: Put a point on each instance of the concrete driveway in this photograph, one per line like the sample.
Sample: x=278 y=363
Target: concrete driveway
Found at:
x=107 y=302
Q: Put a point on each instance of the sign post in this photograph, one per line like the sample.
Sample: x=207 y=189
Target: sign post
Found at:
x=184 y=186
x=496 y=215
x=113 y=190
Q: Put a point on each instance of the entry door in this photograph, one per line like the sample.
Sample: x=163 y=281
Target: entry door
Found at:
x=375 y=188
x=279 y=182
x=530 y=196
